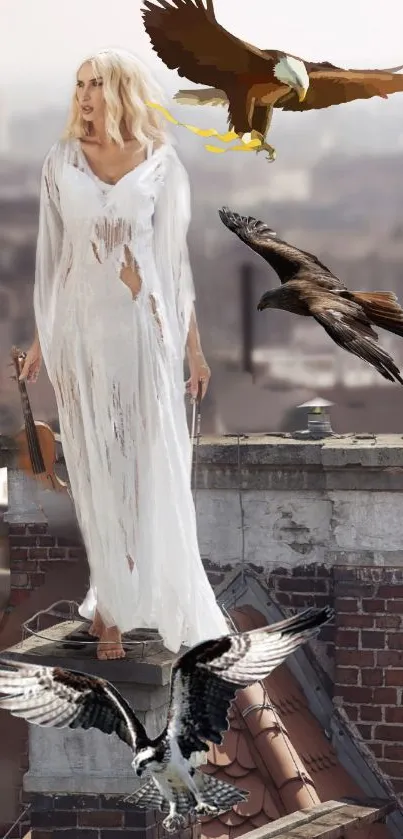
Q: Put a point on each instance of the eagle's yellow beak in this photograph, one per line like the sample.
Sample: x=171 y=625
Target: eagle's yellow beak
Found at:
x=301 y=91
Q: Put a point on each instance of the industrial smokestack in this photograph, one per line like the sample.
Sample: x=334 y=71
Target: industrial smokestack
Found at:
x=247 y=316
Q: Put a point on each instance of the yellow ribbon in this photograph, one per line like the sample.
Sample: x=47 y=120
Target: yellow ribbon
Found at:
x=253 y=144
x=208 y=132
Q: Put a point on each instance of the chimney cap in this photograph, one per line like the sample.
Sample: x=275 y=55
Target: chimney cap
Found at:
x=316 y=402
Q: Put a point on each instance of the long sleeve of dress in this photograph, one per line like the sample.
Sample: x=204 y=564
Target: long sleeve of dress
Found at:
x=48 y=255
x=171 y=222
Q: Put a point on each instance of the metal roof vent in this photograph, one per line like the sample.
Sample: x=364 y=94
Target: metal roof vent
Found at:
x=318 y=418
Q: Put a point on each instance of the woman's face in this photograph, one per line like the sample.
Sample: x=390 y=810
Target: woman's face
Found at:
x=89 y=94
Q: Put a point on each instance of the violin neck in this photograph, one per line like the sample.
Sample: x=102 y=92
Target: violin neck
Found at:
x=34 y=448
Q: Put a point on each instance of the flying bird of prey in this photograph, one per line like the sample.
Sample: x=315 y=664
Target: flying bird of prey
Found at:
x=250 y=81
x=308 y=288
x=204 y=682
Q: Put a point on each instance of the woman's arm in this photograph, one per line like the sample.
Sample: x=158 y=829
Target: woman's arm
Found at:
x=193 y=343
x=198 y=367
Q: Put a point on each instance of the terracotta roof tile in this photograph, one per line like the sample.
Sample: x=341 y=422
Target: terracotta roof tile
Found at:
x=277 y=752
x=232 y=818
x=244 y=755
x=216 y=830
x=264 y=803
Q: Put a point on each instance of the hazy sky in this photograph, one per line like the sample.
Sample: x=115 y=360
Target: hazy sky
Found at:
x=42 y=41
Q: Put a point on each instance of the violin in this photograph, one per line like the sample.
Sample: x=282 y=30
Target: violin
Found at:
x=36 y=442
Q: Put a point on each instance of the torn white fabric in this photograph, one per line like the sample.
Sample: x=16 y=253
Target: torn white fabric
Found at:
x=114 y=355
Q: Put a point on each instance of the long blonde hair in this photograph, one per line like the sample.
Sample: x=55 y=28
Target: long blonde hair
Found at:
x=127 y=86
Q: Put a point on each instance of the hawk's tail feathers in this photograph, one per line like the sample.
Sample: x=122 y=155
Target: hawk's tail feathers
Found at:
x=148 y=797
x=218 y=793
x=381 y=308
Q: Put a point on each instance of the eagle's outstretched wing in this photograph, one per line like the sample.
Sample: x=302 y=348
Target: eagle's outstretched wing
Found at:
x=335 y=86
x=187 y=38
x=289 y=262
x=206 y=678
x=58 y=698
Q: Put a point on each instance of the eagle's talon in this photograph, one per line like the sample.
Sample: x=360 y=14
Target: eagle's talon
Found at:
x=174 y=823
x=272 y=154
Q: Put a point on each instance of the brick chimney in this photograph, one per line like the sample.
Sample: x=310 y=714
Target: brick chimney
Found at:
x=369 y=659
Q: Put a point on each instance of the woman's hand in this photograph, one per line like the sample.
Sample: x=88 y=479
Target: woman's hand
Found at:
x=32 y=363
x=199 y=372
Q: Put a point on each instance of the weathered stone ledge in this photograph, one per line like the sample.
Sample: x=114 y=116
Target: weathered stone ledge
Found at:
x=282 y=462
x=67 y=644
x=276 y=501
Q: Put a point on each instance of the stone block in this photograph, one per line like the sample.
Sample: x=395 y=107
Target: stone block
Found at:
x=370 y=521
x=285 y=529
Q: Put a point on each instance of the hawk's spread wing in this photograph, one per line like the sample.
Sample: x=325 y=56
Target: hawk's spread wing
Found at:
x=347 y=325
x=205 y=679
x=333 y=87
x=288 y=261
x=54 y=697
x=188 y=39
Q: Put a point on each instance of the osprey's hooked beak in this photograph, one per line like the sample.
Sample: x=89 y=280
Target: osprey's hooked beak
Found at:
x=301 y=93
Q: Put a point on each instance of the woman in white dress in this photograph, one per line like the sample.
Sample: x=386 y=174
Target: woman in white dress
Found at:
x=114 y=311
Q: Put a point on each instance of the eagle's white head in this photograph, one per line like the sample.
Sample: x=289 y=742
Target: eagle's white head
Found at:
x=292 y=71
x=145 y=759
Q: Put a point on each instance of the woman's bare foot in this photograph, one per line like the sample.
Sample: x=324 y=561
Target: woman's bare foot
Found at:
x=110 y=644
x=97 y=627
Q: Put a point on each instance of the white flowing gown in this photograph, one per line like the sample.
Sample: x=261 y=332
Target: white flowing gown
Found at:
x=116 y=364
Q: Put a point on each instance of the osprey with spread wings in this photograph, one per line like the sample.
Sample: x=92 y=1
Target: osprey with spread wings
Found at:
x=251 y=82
x=203 y=684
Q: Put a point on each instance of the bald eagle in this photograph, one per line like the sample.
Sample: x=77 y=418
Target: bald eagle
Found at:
x=204 y=682
x=310 y=289
x=251 y=82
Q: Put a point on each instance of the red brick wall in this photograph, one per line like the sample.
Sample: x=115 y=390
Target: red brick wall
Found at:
x=303 y=586
x=97 y=817
x=43 y=570
x=31 y=549
x=369 y=659
x=366 y=645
